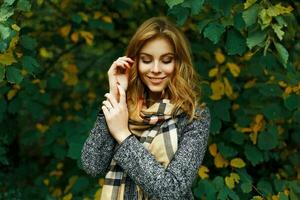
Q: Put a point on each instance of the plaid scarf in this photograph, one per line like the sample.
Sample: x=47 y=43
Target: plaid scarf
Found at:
x=157 y=132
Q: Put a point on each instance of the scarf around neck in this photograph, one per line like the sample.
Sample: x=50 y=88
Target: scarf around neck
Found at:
x=156 y=130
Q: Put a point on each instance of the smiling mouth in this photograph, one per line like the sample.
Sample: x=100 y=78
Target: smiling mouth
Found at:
x=156 y=80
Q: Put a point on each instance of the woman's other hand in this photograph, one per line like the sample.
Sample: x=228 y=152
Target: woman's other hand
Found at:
x=118 y=74
x=116 y=115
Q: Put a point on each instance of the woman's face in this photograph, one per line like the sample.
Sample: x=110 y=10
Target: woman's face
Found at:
x=156 y=65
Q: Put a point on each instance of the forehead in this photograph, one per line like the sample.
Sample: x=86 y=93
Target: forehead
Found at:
x=157 y=47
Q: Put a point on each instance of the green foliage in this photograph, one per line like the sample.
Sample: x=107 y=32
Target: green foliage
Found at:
x=54 y=55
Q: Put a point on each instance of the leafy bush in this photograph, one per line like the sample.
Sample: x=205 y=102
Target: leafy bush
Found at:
x=54 y=55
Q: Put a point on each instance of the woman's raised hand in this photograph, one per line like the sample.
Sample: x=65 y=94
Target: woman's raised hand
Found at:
x=116 y=115
x=118 y=73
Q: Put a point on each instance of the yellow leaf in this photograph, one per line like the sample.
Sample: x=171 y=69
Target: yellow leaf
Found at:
x=101 y=181
x=41 y=128
x=11 y=93
x=15 y=27
x=237 y=162
x=275 y=197
x=265 y=19
x=65 y=30
x=46 y=181
x=249 y=84
x=219 y=56
x=68 y=196
x=57 y=192
x=234 y=69
x=74 y=37
x=84 y=16
x=231 y=180
x=88 y=36
x=213 y=72
x=44 y=53
x=257 y=198
x=98 y=194
x=107 y=19
x=235 y=106
x=70 y=79
x=71 y=183
x=71 y=68
x=7 y=58
x=228 y=88
x=220 y=162
x=202 y=172
x=247 y=56
x=249 y=3
x=278 y=9
x=13 y=43
x=218 y=90
x=59 y=165
x=97 y=15
x=213 y=150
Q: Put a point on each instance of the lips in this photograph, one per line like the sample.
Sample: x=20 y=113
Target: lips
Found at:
x=156 y=80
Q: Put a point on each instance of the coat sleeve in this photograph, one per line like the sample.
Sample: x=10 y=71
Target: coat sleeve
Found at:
x=98 y=148
x=176 y=180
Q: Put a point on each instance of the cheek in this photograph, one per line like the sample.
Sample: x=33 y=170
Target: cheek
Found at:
x=170 y=69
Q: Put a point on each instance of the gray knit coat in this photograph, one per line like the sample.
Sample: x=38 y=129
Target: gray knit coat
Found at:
x=171 y=183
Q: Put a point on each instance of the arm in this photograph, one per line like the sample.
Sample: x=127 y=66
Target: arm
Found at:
x=97 y=150
x=174 y=181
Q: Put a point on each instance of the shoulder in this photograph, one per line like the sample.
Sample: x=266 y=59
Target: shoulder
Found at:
x=202 y=120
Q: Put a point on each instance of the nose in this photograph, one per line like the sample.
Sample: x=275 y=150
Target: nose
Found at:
x=156 y=68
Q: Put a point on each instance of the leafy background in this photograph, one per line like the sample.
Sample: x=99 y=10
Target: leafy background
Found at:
x=54 y=55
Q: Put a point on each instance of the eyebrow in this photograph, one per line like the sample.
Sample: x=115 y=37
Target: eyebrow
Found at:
x=160 y=56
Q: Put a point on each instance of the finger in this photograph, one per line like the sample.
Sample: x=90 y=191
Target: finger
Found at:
x=128 y=59
x=107 y=104
x=122 y=95
x=111 y=99
x=126 y=64
x=105 y=111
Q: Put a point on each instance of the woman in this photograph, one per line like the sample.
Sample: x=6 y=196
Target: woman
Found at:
x=151 y=137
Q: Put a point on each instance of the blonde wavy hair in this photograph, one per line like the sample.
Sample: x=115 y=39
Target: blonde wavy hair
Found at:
x=183 y=89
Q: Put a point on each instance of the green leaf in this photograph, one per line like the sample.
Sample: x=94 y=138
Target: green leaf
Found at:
x=227 y=151
x=291 y=102
x=81 y=185
x=216 y=125
x=268 y=139
x=194 y=5
x=2 y=73
x=239 y=23
x=250 y=15
x=265 y=187
x=5 y=13
x=253 y=155
x=214 y=31
x=272 y=111
x=221 y=7
x=172 y=3
x=282 y=53
x=246 y=187
x=180 y=13
x=24 y=5
x=28 y=42
x=235 y=136
x=13 y=75
x=235 y=43
x=221 y=109
x=256 y=38
x=282 y=196
x=9 y=2
x=270 y=90
x=30 y=64
x=5 y=32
